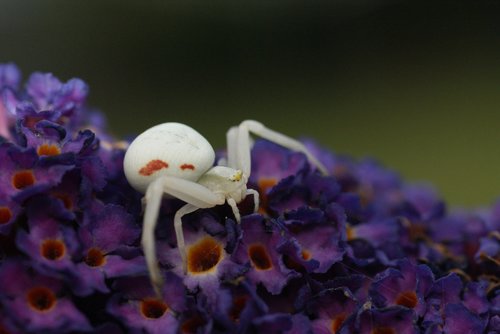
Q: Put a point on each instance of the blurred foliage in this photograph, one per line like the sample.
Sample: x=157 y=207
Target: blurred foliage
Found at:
x=413 y=83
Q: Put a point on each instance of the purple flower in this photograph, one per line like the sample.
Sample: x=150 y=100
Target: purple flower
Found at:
x=331 y=308
x=38 y=303
x=50 y=244
x=406 y=287
x=258 y=251
x=357 y=251
x=136 y=304
x=106 y=236
x=24 y=175
x=238 y=305
x=316 y=239
x=208 y=263
x=445 y=291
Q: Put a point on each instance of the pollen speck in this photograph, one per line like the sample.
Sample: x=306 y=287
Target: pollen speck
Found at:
x=152 y=166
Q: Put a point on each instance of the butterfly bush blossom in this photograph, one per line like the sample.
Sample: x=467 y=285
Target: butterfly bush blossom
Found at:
x=358 y=251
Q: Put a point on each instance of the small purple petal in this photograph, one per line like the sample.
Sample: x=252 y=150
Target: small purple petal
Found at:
x=460 y=320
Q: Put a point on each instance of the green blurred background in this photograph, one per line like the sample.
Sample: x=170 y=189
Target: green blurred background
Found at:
x=413 y=83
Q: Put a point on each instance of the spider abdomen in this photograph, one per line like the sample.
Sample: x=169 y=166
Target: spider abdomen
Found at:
x=171 y=149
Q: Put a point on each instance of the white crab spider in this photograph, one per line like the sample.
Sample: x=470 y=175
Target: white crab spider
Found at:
x=173 y=158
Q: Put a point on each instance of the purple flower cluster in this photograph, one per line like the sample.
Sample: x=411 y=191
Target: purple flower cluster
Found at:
x=359 y=251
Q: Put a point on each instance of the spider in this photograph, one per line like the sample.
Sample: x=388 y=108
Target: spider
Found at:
x=174 y=159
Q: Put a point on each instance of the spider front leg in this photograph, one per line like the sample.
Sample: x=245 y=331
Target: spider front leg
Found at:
x=239 y=145
x=197 y=197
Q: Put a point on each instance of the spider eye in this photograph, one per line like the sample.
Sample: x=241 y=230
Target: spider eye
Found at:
x=236 y=176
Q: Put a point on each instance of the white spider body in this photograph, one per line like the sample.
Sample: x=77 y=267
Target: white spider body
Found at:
x=174 y=159
x=172 y=149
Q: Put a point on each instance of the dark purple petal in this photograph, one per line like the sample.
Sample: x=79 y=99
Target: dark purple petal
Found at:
x=273 y=323
x=474 y=297
x=87 y=280
x=447 y=289
x=494 y=325
x=460 y=320
x=300 y=325
x=109 y=227
x=237 y=306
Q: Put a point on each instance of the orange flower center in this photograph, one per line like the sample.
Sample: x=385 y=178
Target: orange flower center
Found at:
x=52 y=249
x=41 y=299
x=5 y=215
x=383 y=330
x=407 y=298
x=48 y=150
x=338 y=321
x=95 y=257
x=192 y=325
x=264 y=185
x=23 y=179
x=237 y=307
x=153 y=308
x=259 y=257
x=204 y=256
x=67 y=202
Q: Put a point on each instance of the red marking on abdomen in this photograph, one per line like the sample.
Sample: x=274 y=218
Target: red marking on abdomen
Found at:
x=187 y=166
x=152 y=166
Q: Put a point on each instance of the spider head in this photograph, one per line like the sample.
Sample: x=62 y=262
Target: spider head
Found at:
x=225 y=180
x=237 y=176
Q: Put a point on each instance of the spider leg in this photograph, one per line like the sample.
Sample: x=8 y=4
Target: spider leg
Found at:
x=152 y=202
x=256 y=201
x=232 y=147
x=181 y=245
x=234 y=207
x=196 y=195
x=250 y=126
